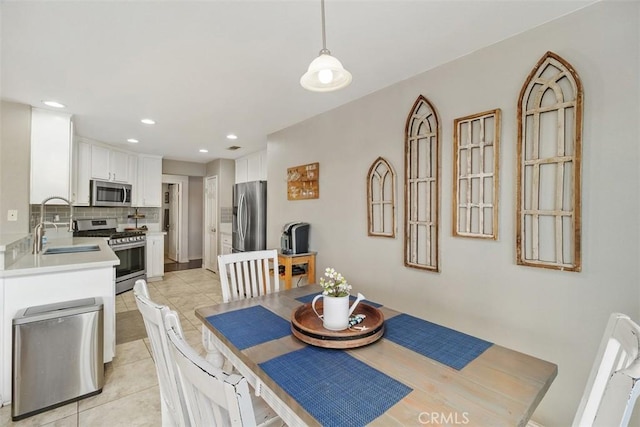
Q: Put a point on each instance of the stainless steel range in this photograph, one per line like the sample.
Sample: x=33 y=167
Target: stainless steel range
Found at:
x=129 y=246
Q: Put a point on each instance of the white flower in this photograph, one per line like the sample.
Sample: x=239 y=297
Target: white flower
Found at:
x=334 y=284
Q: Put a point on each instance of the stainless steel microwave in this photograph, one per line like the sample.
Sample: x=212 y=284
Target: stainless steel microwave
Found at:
x=104 y=193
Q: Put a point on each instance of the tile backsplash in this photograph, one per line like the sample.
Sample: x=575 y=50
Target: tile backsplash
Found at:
x=152 y=215
x=14 y=251
x=226 y=215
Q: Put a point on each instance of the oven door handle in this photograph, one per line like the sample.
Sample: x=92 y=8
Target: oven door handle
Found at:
x=128 y=246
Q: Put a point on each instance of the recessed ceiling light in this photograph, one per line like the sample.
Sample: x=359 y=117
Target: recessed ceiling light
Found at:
x=133 y=140
x=232 y=136
x=148 y=121
x=54 y=104
x=204 y=151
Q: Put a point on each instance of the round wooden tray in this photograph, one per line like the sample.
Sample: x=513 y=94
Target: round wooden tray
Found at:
x=307 y=327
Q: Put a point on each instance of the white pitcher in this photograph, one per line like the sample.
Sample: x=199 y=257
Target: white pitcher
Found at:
x=336 y=311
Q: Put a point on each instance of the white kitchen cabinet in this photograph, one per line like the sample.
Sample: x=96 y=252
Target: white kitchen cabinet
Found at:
x=226 y=243
x=50 y=155
x=108 y=164
x=242 y=167
x=155 y=256
x=81 y=193
x=252 y=167
x=257 y=166
x=149 y=185
x=133 y=177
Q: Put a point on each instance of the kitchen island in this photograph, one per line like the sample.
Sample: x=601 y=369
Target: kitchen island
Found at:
x=33 y=280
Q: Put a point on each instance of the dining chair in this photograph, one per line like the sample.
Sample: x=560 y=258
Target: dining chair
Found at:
x=242 y=275
x=172 y=406
x=248 y=274
x=213 y=397
x=613 y=385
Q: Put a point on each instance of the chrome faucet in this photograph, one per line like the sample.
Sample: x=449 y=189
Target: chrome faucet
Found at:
x=38 y=232
x=39 y=229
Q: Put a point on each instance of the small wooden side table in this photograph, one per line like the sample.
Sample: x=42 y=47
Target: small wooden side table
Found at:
x=289 y=260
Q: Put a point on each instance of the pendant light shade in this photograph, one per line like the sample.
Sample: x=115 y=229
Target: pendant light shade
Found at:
x=325 y=73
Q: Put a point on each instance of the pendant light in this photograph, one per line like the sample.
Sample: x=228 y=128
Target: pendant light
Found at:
x=325 y=73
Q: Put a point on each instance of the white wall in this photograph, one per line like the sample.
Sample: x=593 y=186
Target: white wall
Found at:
x=15 y=165
x=557 y=316
x=196 y=219
x=177 y=167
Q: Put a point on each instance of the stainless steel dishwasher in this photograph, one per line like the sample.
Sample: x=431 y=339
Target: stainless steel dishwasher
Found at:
x=57 y=355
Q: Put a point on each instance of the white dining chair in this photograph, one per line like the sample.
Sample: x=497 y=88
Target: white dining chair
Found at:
x=213 y=397
x=173 y=409
x=242 y=275
x=613 y=385
x=248 y=274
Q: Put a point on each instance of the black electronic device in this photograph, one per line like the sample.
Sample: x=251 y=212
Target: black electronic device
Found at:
x=295 y=238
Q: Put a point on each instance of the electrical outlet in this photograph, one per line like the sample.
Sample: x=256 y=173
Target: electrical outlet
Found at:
x=12 y=215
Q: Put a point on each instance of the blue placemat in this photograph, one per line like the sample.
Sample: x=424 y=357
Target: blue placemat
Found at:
x=251 y=326
x=308 y=298
x=447 y=346
x=334 y=387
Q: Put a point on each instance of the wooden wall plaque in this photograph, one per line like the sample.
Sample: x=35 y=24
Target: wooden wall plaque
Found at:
x=303 y=182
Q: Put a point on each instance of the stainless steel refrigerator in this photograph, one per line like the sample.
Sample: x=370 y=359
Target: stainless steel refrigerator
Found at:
x=249 y=230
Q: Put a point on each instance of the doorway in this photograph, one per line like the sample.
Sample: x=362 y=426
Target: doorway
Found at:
x=172 y=198
x=175 y=218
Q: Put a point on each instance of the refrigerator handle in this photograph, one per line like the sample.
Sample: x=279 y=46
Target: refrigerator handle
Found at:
x=245 y=217
x=240 y=217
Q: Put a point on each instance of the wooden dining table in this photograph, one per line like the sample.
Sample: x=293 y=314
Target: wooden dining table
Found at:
x=417 y=373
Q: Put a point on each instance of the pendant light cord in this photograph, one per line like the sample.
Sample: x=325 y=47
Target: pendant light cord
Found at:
x=324 y=35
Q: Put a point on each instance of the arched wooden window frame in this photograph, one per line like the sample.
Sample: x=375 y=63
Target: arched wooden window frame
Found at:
x=476 y=160
x=422 y=187
x=566 y=210
x=381 y=173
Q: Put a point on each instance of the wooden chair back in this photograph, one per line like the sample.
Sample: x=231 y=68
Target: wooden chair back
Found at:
x=212 y=397
x=613 y=386
x=248 y=274
x=172 y=406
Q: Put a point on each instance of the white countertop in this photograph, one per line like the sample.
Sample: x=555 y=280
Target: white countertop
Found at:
x=31 y=264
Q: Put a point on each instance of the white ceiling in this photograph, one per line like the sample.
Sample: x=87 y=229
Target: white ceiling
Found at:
x=208 y=68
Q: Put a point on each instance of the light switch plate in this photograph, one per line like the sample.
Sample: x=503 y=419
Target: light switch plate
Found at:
x=12 y=215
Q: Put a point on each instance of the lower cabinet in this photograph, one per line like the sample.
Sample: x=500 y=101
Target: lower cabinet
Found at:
x=155 y=256
x=226 y=243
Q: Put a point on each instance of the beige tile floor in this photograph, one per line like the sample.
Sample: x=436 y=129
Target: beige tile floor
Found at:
x=130 y=396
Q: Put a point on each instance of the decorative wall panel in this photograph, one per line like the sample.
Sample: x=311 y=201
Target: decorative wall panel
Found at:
x=422 y=186
x=476 y=153
x=381 y=199
x=549 y=166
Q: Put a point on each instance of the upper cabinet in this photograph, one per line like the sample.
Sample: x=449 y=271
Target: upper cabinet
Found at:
x=50 y=155
x=109 y=164
x=149 y=184
x=81 y=190
x=252 y=167
x=133 y=177
x=96 y=161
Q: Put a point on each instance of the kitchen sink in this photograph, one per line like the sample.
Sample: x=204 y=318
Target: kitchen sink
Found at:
x=74 y=249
